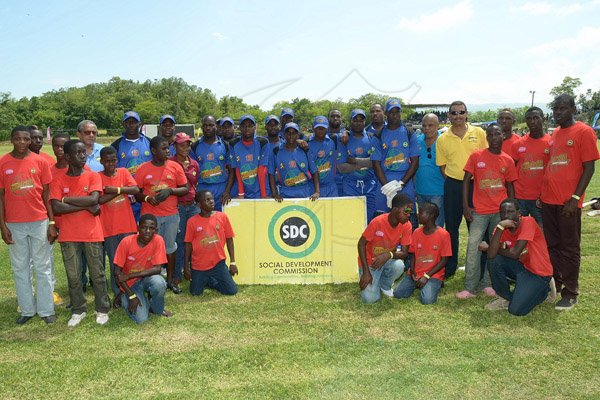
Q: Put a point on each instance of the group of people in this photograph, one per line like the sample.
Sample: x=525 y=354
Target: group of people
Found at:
x=144 y=203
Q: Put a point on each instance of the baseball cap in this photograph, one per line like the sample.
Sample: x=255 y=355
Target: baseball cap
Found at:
x=320 y=121
x=247 y=117
x=182 y=137
x=357 y=112
x=226 y=119
x=131 y=114
x=291 y=125
x=287 y=111
x=166 y=116
x=392 y=103
x=271 y=118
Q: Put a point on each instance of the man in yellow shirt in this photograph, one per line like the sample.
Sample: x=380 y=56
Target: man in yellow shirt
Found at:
x=453 y=150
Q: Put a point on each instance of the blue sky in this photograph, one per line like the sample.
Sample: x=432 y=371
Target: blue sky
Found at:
x=423 y=52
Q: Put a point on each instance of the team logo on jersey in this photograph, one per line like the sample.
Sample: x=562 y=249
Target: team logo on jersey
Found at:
x=405 y=144
x=237 y=158
x=193 y=173
x=85 y=188
x=321 y=153
x=379 y=233
x=249 y=157
x=292 y=164
x=147 y=152
x=66 y=190
x=221 y=157
x=199 y=229
x=546 y=151
x=123 y=155
x=435 y=246
x=359 y=150
x=169 y=176
x=419 y=246
x=294 y=232
x=302 y=165
x=394 y=143
x=522 y=149
x=281 y=166
x=480 y=164
x=32 y=170
x=131 y=258
x=384 y=146
x=217 y=227
x=9 y=172
x=503 y=170
x=135 y=152
x=570 y=142
x=148 y=177
x=210 y=156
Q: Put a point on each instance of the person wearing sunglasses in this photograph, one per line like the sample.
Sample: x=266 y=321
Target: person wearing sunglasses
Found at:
x=382 y=248
x=453 y=148
x=429 y=181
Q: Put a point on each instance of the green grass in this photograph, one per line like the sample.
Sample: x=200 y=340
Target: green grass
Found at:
x=310 y=342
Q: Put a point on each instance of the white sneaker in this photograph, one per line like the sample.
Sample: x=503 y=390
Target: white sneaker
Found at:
x=388 y=293
x=552 y=295
x=76 y=319
x=101 y=318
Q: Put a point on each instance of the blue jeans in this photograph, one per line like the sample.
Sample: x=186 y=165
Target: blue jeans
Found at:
x=530 y=289
x=185 y=213
x=219 y=278
x=31 y=245
x=110 y=249
x=428 y=294
x=383 y=279
x=167 y=228
x=156 y=286
x=438 y=201
x=475 y=279
x=528 y=207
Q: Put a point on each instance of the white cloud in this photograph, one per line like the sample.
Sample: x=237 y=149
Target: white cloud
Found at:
x=545 y=8
x=219 y=36
x=587 y=38
x=444 y=18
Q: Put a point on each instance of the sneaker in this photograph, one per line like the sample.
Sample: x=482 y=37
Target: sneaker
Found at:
x=388 y=293
x=489 y=291
x=465 y=294
x=50 y=319
x=498 y=304
x=552 y=295
x=101 y=318
x=58 y=301
x=566 y=303
x=76 y=319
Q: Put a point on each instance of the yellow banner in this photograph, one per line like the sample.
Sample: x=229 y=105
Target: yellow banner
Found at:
x=297 y=241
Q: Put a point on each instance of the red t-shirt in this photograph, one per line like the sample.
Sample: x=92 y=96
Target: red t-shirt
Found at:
x=490 y=173
x=151 y=179
x=23 y=182
x=429 y=250
x=117 y=215
x=48 y=158
x=535 y=256
x=508 y=144
x=130 y=257
x=192 y=173
x=207 y=236
x=80 y=226
x=569 y=149
x=383 y=238
x=532 y=157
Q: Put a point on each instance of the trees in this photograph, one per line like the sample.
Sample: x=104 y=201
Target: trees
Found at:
x=568 y=86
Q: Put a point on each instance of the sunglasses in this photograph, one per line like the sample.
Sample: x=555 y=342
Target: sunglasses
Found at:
x=461 y=112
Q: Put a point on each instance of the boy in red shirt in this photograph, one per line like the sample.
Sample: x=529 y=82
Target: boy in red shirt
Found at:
x=26 y=222
x=116 y=214
x=138 y=260
x=206 y=235
x=493 y=173
x=431 y=248
x=161 y=182
x=520 y=254
x=75 y=195
x=380 y=262
x=573 y=152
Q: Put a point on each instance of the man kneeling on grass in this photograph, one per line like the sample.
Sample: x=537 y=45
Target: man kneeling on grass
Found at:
x=520 y=254
x=138 y=262
x=205 y=237
x=379 y=259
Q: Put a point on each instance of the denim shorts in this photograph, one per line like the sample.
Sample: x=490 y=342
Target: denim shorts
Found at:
x=167 y=228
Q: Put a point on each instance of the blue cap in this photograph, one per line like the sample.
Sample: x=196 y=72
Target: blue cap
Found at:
x=166 y=116
x=226 y=119
x=287 y=111
x=291 y=125
x=247 y=116
x=271 y=118
x=357 y=112
x=320 y=121
x=392 y=103
x=131 y=114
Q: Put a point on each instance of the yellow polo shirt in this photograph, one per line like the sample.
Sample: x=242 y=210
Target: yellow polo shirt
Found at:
x=453 y=152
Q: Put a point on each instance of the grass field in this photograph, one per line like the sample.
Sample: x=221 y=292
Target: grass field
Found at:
x=310 y=342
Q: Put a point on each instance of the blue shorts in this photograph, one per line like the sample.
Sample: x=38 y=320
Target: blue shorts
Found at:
x=167 y=228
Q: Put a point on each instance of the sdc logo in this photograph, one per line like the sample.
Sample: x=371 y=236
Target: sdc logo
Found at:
x=294 y=231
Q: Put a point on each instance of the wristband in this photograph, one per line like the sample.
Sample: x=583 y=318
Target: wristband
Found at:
x=391 y=255
x=133 y=296
x=146 y=198
x=118 y=190
x=233 y=263
x=500 y=227
x=426 y=276
x=576 y=197
x=51 y=222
